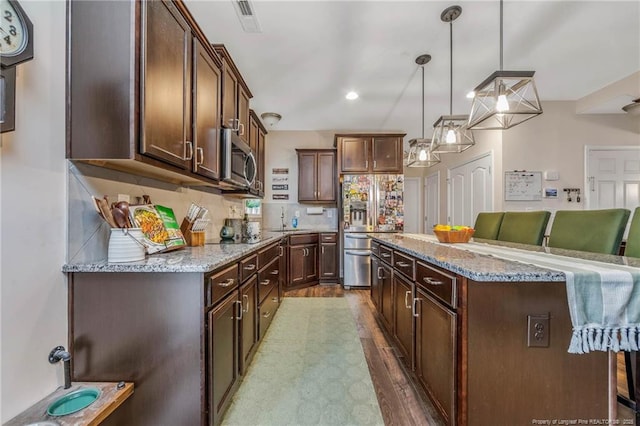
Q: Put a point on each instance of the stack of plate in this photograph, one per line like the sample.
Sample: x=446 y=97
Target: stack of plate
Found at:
x=125 y=245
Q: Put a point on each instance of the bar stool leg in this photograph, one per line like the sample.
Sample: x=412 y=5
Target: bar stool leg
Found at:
x=613 y=387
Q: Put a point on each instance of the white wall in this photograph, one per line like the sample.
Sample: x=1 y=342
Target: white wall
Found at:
x=33 y=218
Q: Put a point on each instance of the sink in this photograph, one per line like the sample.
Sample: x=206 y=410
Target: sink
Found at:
x=73 y=401
x=287 y=229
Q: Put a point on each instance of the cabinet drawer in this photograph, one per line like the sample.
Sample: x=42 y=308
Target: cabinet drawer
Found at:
x=248 y=266
x=295 y=240
x=221 y=283
x=329 y=237
x=267 y=279
x=386 y=254
x=404 y=264
x=267 y=310
x=375 y=248
x=267 y=254
x=437 y=282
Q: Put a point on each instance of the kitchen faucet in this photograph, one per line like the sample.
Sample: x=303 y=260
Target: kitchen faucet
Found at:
x=282 y=217
x=59 y=353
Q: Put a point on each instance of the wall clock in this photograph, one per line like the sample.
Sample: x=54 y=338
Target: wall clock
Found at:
x=16 y=47
x=16 y=34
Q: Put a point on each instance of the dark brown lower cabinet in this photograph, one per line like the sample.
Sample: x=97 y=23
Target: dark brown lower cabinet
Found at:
x=222 y=336
x=386 y=295
x=328 y=257
x=249 y=328
x=435 y=354
x=376 y=282
x=303 y=260
x=403 y=317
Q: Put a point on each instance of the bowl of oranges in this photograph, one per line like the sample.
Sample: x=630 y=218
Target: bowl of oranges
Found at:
x=453 y=234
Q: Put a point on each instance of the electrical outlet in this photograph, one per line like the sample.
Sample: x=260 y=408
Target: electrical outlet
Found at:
x=329 y=213
x=538 y=331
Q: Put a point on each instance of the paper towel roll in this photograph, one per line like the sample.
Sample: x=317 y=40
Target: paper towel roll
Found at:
x=314 y=210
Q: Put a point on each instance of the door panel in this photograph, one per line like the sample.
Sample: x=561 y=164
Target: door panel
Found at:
x=412 y=222
x=354 y=155
x=403 y=317
x=387 y=154
x=470 y=190
x=432 y=202
x=326 y=173
x=614 y=178
x=307 y=176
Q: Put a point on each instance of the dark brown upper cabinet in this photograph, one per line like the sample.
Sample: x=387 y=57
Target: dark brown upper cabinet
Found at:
x=316 y=176
x=144 y=91
x=369 y=153
x=235 y=96
x=206 y=113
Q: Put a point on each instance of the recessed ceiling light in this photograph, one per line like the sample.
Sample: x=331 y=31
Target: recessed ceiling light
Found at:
x=351 y=96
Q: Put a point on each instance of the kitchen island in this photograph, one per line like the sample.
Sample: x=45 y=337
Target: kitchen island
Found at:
x=487 y=337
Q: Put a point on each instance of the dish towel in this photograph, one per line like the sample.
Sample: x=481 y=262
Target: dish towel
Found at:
x=603 y=298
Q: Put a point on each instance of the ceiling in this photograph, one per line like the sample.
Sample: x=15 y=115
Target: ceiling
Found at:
x=309 y=54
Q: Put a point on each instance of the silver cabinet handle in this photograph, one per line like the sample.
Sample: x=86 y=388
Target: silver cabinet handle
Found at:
x=386 y=255
x=281 y=251
x=200 y=156
x=275 y=272
x=406 y=299
x=415 y=308
x=402 y=264
x=189 y=144
x=274 y=299
x=265 y=282
x=380 y=274
x=375 y=164
x=433 y=281
x=322 y=249
x=267 y=314
x=240 y=128
x=239 y=318
x=245 y=297
x=227 y=283
x=250 y=267
x=366 y=164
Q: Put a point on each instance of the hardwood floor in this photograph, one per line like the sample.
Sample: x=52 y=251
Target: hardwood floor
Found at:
x=401 y=402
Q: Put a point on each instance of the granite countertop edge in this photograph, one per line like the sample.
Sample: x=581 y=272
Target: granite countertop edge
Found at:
x=477 y=267
x=187 y=259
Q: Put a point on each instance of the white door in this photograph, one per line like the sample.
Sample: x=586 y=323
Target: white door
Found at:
x=411 y=197
x=432 y=202
x=613 y=178
x=470 y=190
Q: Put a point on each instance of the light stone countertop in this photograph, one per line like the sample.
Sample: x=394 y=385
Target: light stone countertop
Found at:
x=188 y=259
x=486 y=268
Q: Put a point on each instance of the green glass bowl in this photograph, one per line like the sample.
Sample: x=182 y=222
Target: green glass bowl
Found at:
x=73 y=401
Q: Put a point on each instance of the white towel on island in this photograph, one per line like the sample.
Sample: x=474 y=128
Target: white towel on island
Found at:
x=603 y=298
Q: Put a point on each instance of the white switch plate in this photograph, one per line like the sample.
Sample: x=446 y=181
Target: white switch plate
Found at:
x=124 y=197
x=551 y=175
x=329 y=213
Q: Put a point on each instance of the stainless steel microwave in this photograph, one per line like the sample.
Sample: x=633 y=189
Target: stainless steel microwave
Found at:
x=238 y=161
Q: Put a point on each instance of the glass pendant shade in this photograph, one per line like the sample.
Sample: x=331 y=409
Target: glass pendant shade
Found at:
x=420 y=154
x=451 y=135
x=503 y=100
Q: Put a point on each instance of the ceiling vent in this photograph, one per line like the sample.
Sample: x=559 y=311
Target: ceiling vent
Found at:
x=248 y=20
x=633 y=108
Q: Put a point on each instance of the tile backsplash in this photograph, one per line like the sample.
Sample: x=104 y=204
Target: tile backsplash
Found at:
x=272 y=216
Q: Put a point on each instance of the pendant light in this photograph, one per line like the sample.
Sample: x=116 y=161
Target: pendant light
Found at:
x=451 y=133
x=505 y=98
x=420 y=154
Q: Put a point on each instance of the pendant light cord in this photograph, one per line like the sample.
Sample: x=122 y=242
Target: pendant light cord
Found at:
x=422 y=66
x=451 y=67
x=501 y=31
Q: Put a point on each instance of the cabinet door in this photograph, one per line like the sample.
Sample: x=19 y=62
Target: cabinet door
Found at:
x=166 y=85
x=403 y=317
x=386 y=297
x=436 y=353
x=311 y=263
x=262 y=140
x=229 y=97
x=328 y=261
x=206 y=113
x=222 y=343
x=354 y=154
x=326 y=175
x=307 y=176
x=387 y=154
x=297 y=263
x=376 y=281
x=249 y=326
x=243 y=114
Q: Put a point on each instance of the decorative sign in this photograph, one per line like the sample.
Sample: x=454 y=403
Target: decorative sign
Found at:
x=280 y=187
x=280 y=171
x=522 y=186
x=280 y=196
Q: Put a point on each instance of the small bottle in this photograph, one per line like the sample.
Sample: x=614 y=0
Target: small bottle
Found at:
x=294 y=222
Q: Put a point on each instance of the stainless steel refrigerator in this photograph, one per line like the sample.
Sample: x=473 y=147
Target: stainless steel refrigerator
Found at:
x=368 y=203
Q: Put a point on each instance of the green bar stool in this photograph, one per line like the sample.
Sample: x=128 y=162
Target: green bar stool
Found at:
x=487 y=225
x=632 y=248
x=596 y=231
x=524 y=227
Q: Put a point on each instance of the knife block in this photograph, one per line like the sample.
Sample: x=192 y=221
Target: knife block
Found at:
x=193 y=239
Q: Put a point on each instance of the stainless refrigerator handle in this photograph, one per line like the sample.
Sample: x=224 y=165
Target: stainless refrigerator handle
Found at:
x=359 y=253
x=356 y=237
